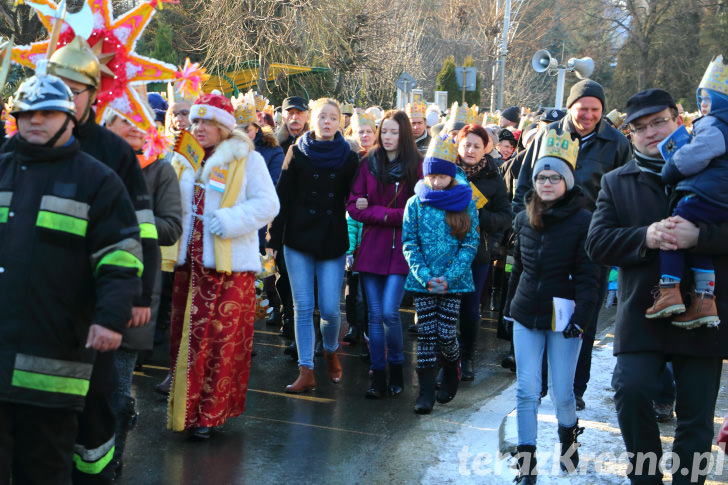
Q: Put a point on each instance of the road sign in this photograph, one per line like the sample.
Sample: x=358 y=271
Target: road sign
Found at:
x=470 y=74
x=405 y=82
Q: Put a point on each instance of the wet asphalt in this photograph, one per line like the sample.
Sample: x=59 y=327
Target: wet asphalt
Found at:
x=330 y=435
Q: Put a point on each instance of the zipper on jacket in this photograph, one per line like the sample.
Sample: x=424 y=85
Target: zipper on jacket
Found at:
x=394 y=205
x=538 y=287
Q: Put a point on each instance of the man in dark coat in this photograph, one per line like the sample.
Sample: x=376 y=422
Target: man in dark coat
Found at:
x=601 y=149
x=295 y=121
x=628 y=227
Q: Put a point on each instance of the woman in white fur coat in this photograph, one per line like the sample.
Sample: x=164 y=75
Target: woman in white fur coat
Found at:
x=224 y=203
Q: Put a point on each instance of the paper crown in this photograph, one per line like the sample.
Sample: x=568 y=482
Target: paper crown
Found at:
x=257 y=100
x=489 y=118
x=716 y=76
x=559 y=146
x=460 y=116
x=347 y=109
x=363 y=119
x=416 y=109
x=244 y=110
x=442 y=148
x=616 y=117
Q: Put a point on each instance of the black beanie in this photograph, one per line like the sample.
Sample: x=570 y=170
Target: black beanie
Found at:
x=586 y=87
x=512 y=114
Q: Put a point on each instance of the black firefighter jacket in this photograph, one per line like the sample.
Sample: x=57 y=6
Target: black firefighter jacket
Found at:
x=111 y=150
x=70 y=256
x=553 y=263
x=606 y=150
x=631 y=200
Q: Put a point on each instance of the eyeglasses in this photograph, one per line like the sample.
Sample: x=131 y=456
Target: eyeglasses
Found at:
x=554 y=179
x=77 y=92
x=184 y=113
x=657 y=123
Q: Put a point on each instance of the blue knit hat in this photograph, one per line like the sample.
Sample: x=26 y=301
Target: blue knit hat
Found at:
x=159 y=105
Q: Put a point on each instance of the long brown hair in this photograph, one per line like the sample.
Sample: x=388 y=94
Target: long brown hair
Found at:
x=459 y=222
x=408 y=154
x=535 y=208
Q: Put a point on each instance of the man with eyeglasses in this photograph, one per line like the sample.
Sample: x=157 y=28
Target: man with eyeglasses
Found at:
x=629 y=227
x=602 y=148
x=80 y=70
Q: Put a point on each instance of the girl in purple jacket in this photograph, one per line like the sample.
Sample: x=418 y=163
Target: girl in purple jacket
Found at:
x=385 y=181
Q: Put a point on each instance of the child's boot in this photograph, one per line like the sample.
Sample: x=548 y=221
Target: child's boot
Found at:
x=569 y=459
x=667 y=302
x=526 y=455
x=426 y=400
x=396 y=379
x=378 y=386
x=702 y=311
x=450 y=382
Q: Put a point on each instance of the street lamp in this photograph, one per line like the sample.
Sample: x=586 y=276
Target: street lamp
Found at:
x=542 y=61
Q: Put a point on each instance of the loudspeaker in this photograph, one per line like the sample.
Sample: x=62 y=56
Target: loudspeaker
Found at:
x=582 y=67
x=542 y=61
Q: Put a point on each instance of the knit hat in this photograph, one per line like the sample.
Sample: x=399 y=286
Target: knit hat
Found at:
x=216 y=107
x=158 y=105
x=512 y=114
x=432 y=115
x=558 y=152
x=584 y=88
x=441 y=156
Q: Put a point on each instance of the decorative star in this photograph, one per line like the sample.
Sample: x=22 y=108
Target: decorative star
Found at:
x=114 y=40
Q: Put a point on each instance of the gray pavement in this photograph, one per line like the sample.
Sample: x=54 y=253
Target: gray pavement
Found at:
x=334 y=435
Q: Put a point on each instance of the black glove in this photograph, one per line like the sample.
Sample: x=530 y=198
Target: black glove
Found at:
x=573 y=330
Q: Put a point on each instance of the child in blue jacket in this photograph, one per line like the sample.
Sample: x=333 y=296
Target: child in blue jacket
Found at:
x=439 y=240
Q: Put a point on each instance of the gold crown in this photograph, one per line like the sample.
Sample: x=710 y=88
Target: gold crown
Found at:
x=363 y=119
x=461 y=114
x=443 y=148
x=559 y=146
x=418 y=108
x=244 y=110
x=347 y=109
x=489 y=119
x=616 y=117
x=257 y=100
x=716 y=76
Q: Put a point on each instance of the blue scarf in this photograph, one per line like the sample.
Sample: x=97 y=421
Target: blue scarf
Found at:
x=324 y=154
x=455 y=199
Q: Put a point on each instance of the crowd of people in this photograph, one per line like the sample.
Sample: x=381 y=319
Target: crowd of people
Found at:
x=414 y=204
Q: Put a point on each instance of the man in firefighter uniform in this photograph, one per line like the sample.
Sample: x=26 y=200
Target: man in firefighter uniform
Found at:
x=70 y=260
x=80 y=70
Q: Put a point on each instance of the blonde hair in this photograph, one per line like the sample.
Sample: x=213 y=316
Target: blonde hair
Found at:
x=318 y=105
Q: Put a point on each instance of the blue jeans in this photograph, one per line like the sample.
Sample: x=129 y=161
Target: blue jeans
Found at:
x=329 y=276
x=384 y=296
x=562 y=353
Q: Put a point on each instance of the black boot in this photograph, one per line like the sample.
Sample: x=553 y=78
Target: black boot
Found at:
x=569 y=447
x=466 y=370
x=440 y=377
x=526 y=455
x=426 y=400
x=450 y=382
x=292 y=350
x=378 y=386
x=396 y=379
x=276 y=317
x=352 y=336
x=287 y=327
x=126 y=421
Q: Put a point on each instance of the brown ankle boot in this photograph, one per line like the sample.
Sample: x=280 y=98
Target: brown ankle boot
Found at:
x=702 y=311
x=667 y=302
x=334 y=367
x=305 y=381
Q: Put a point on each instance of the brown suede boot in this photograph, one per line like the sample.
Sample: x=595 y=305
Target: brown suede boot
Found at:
x=334 y=367
x=667 y=302
x=305 y=381
x=702 y=311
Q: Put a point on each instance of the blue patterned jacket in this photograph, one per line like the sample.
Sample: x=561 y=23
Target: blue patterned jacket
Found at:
x=431 y=251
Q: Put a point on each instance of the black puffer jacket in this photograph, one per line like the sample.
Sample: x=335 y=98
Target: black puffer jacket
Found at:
x=553 y=263
x=496 y=216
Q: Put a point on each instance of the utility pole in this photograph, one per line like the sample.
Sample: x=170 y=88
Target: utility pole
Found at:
x=503 y=52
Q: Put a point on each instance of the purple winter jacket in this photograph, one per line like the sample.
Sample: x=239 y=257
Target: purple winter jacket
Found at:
x=380 y=251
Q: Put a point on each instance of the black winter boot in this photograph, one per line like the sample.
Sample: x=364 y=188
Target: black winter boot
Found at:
x=352 y=336
x=426 y=400
x=396 y=379
x=526 y=455
x=569 y=447
x=378 y=387
x=450 y=382
x=276 y=317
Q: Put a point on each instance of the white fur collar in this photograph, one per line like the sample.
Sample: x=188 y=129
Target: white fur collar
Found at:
x=234 y=148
